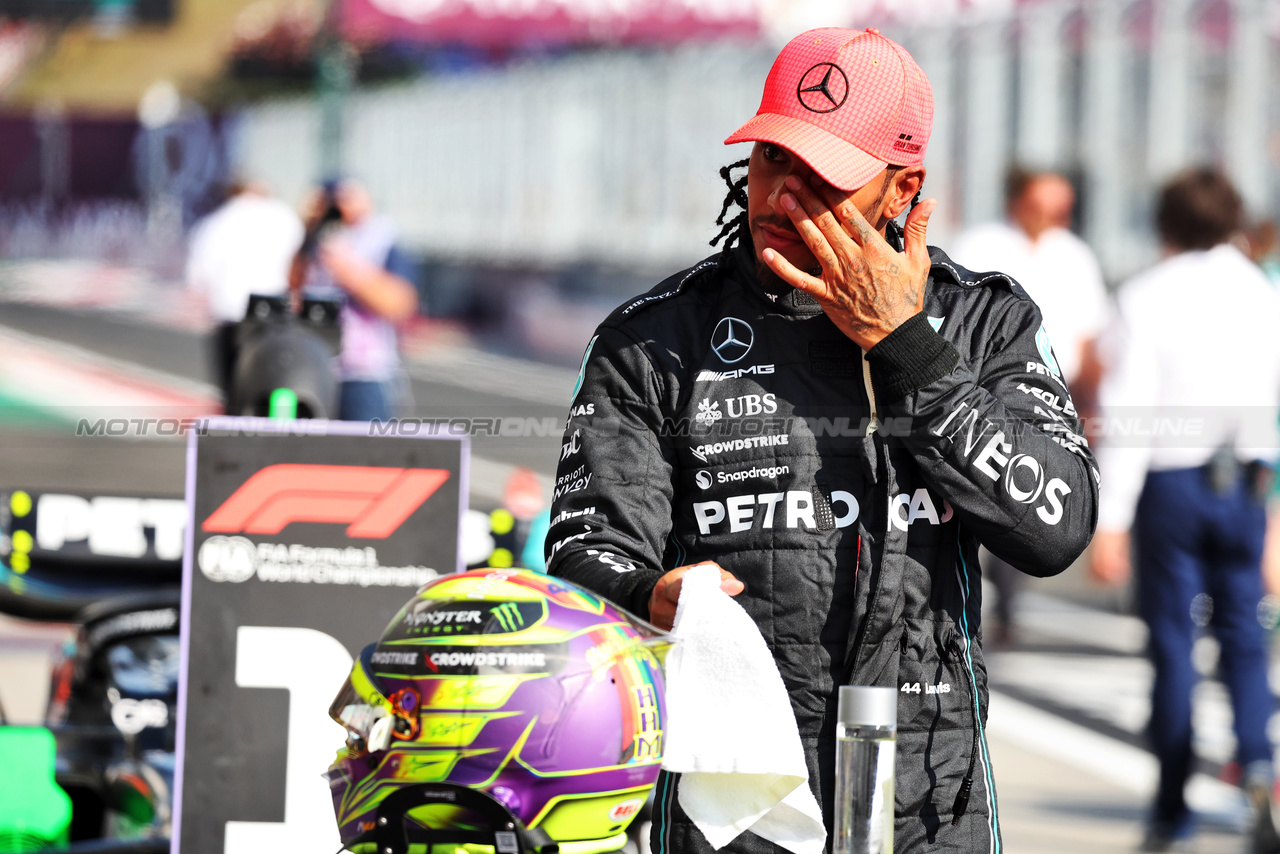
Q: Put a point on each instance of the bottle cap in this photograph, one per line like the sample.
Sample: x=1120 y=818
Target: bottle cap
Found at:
x=862 y=705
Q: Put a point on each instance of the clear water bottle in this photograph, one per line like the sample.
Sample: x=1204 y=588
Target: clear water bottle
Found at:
x=866 y=741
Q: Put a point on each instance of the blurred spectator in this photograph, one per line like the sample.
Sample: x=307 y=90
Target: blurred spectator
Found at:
x=1263 y=242
x=1035 y=246
x=1195 y=336
x=350 y=253
x=244 y=247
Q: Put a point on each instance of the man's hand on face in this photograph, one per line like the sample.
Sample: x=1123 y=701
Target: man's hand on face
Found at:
x=867 y=288
x=666 y=593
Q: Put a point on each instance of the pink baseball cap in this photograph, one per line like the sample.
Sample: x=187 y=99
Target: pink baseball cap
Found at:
x=847 y=102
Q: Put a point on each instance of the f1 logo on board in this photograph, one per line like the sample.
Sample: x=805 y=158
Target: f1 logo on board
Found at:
x=372 y=501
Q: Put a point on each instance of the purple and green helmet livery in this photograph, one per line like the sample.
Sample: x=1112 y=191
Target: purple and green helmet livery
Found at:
x=543 y=695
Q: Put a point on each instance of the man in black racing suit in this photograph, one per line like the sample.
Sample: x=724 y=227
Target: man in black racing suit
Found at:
x=837 y=415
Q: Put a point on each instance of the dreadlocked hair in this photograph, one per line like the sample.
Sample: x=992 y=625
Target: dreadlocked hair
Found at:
x=731 y=231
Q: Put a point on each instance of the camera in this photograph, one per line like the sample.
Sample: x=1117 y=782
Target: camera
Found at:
x=330 y=217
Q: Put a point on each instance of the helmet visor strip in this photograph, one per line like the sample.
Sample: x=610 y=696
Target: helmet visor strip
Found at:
x=373 y=718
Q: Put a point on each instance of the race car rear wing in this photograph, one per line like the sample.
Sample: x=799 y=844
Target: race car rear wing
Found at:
x=60 y=551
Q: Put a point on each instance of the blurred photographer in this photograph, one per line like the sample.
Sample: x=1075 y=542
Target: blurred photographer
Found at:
x=350 y=254
x=244 y=247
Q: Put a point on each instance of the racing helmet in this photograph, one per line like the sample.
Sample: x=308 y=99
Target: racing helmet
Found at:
x=546 y=698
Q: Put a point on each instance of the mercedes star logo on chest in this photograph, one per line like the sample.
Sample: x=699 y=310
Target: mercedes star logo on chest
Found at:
x=732 y=339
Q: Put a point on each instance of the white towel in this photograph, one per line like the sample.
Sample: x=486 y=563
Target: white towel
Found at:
x=731 y=733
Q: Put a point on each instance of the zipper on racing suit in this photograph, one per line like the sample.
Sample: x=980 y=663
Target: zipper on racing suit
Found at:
x=873 y=578
x=874 y=423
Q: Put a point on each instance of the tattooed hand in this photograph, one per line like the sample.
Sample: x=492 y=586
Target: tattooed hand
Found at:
x=866 y=287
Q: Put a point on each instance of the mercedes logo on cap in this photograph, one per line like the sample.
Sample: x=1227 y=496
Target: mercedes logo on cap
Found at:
x=732 y=339
x=823 y=88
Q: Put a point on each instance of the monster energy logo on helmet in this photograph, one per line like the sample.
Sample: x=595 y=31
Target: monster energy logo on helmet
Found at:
x=429 y=618
x=508 y=616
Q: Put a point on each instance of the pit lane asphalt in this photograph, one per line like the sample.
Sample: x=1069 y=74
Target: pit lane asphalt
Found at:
x=47 y=456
